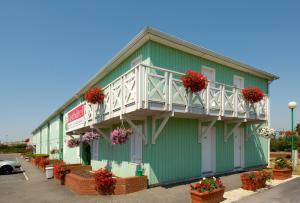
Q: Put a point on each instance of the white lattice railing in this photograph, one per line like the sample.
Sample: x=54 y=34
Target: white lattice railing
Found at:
x=154 y=88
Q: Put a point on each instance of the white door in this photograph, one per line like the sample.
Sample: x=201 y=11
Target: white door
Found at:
x=136 y=146
x=208 y=151
x=238 y=148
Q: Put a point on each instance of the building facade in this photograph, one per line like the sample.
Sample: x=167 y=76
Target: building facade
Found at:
x=177 y=135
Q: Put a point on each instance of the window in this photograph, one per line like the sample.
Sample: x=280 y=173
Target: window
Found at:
x=95 y=149
x=136 y=147
x=210 y=73
x=136 y=61
x=238 y=82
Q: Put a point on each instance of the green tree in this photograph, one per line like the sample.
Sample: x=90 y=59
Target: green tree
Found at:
x=298 y=128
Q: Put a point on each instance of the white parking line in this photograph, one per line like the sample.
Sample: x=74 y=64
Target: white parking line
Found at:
x=26 y=177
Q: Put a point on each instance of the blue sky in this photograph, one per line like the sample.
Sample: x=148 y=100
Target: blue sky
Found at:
x=49 y=49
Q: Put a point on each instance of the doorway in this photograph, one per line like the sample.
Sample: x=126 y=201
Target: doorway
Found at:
x=208 y=152
x=86 y=153
x=239 y=148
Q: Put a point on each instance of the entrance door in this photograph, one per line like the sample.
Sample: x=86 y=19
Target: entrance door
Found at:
x=208 y=151
x=239 y=148
x=86 y=153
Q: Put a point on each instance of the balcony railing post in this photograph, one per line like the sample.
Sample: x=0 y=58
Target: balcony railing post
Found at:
x=208 y=98
x=166 y=91
x=110 y=101
x=137 y=84
x=222 y=100
x=235 y=102
x=170 y=91
x=146 y=88
x=122 y=95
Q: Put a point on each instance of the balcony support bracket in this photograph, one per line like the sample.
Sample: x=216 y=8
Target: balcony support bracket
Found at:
x=252 y=130
x=106 y=137
x=228 y=134
x=156 y=132
x=135 y=128
x=210 y=125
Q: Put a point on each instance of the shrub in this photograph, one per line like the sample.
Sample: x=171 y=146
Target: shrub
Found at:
x=282 y=163
x=207 y=185
x=58 y=170
x=104 y=181
x=255 y=179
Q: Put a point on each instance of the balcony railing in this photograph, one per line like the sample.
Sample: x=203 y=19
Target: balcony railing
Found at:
x=155 y=88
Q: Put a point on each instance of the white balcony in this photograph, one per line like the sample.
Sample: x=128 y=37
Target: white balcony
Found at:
x=146 y=90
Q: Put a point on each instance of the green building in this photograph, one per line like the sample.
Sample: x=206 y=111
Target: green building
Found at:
x=177 y=135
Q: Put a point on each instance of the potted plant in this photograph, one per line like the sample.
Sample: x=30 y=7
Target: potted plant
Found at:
x=194 y=82
x=104 y=181
x=208 y=190
x=120 y=135
x=89 y=136
x=60 y=172
x=94 y=95
x=282 y=169
x=73 y=142
x=252 y=94
x=255 y=179
x=267 y=132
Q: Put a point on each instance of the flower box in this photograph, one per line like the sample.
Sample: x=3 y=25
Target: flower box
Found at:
x=282 y=174
x=208 y=197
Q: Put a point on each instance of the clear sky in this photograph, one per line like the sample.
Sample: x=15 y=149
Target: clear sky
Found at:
x=49 y=49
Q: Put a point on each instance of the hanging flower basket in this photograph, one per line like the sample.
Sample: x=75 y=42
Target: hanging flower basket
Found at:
x=26 y=140
x=73 y=142
x=120 y=135
x=89 y=136
x=94 y=95
x=252 y=94
x=267 y=132
x=194 y=81
x=54 y=151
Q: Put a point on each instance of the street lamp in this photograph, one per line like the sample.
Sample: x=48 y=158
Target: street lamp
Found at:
x=292 y=105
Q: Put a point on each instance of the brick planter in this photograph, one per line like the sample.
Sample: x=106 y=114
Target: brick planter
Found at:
x=86 y=186
x=282 y=174
x=207 y=197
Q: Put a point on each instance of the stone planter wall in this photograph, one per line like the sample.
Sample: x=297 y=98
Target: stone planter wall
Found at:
x=86 y=186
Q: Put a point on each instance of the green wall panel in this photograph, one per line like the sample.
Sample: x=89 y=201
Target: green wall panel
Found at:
x=170 y=58
x=176 y=154
x=54 y=136
x=256 y=151
x=44 y=140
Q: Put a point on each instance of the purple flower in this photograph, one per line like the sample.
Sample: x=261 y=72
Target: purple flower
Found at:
x=120 y=135
x=89 y=136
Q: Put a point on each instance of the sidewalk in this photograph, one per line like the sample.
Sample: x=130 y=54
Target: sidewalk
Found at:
x=39 y=189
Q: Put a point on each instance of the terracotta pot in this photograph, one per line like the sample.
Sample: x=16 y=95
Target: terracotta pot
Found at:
x=282 y=174
x=215 y=196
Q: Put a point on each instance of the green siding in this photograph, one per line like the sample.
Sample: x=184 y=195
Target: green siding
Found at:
x=170 y=58
x=54 y=136
x=256 y=151
x=224 y=150
x=44 y=140
x=176 y=154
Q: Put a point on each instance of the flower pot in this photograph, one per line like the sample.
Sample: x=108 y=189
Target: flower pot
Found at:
x=207 y=197
x=282 y=174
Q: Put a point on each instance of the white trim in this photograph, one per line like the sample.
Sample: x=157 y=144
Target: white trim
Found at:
x=156 y=132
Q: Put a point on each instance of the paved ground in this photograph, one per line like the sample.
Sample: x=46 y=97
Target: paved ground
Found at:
x=15 y=188
x=288 y=192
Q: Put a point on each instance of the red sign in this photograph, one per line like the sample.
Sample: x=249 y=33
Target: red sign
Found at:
x=76 y=113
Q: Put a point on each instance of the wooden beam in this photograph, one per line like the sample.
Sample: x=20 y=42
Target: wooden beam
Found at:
x=155 y=133
x=228 y=134
x=106 y=137
x=135 y=129
x=249 y=134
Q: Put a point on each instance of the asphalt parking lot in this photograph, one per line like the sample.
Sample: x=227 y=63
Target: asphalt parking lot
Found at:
x=12 y=178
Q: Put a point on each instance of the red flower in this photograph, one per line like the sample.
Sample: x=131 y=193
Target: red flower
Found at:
x=58 y=168
x=94 y=95
x=26 y=140
x=104 y=181
x=194 y=81
x=252 y=94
